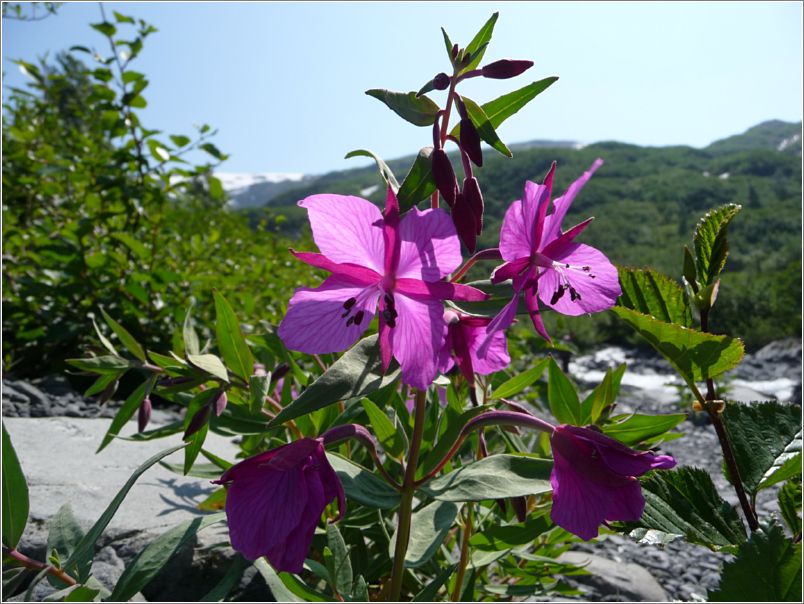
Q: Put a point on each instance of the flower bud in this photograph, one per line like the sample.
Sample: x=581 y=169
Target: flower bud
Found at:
x=441 y=81
x=144 y=415
x=198 y=421
x=470 y=141
x=280 y=371
x=504 y=69
x=520 y=505
x=444 y=176
x=220 y=403
x=471 y=191
x=454 y=52
x=464 y=222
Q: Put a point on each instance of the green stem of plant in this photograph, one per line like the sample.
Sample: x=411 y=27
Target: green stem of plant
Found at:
x=406 y=504
x=467 y=533
x=40 y=566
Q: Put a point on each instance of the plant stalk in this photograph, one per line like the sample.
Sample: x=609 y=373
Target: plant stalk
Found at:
x=406 y=504
x=40 y=566
x=467 y=533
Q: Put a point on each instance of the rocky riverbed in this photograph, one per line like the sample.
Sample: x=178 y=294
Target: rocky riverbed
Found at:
x=47 y=416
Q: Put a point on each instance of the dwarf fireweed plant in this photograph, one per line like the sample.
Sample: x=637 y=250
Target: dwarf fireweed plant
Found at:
x=388 y=449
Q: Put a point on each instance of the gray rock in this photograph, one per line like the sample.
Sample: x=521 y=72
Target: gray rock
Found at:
x=622 y=580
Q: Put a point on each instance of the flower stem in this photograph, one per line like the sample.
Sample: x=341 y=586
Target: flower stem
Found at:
x=406 y=504
x=36 y=565
x=467 y=533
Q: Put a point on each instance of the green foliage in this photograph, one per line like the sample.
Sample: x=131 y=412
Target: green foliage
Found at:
x=429 y=527
x=767 y=569
x=418 y=110
x=15 y=495
x=651 y=293
x=418 y=183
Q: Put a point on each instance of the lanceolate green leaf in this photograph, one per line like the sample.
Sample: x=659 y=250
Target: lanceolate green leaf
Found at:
x=484 y=126
x=603 y=395
x=343 y=578
x=420 y=111
x=632 y=429
x=15 y=495
x=125 y=337
x=190 y=337
x=697 y=356
x=654 y=294
x=231 y=342
x=83 y=553
x=102 y=364
x=123 y=415
x=211 y=364
x=429 y=526
x=501 y=108
x=448 y=438
x=494 y=477
x=386 y=172
x=477 y=47
x=156 y=554
x=711 y=245
x=419 y=183
x=763 y=436
x=561 y=394
x=429 y=591
x=363 y=486
x=384 y=429
x=356 y=373
x=519 y=382
x=64 y=532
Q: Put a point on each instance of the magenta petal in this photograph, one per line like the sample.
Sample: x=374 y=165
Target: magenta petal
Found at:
x=515 y=234
x=347 y=229
x=430 y=248
x=315 y=321
x=439 y=290
x=598 y=287
x=541 y=196
x=579 y=506
x=417 y=339
x=552 y=224
x=532 y=304
x=510 y=269
x=356 y=275
x=496 y=356
x=627 y=503
x=390 y=232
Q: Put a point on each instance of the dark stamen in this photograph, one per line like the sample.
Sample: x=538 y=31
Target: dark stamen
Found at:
x=557 y=296
x=349 y=303
x=586 y=268
x=358 y=317
x=566 y=266
x=349 y=321
x=574 y=295
x=389 y=301
x=390 y=317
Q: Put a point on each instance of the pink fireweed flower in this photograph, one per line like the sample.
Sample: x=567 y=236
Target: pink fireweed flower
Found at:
x=546 y=263
x=593 y=479
x=465 y=335
x=378 y=260
x=275 y=500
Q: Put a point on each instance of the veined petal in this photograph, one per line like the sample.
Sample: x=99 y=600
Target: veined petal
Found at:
x=552 y=223
x=430 y=247
x=590 y=274
x=496 y=356
x=627 y=503
x=317 y=321
x=504 y=318
x=515 y=235
x=439 y=290
x=537 y=200
x=417 y=339
x=532 y=303
x=357 y=275
x=579 y=506
x=509 y=270
x=347 y=229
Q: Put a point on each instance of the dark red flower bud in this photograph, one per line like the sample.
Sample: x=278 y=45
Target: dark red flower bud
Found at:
x=220 y=403
x=471 y=191
x=444 y=176
x=520 y=505
x=502 y=70
x=441 y=81
x=464 y=222
x=280 y=371
x=454 y=51
x=144 y=415
x=470 y=141
x=198 y=421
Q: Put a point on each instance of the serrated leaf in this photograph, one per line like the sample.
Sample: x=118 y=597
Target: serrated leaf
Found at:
x=84 y=551
x=210 y=364
x=562 y=396
x=15 y=495
x=494 y=477
x=760 y=434
x=484 y=127
x=685 y=502
x=342 y=577
x=697 y=356
x=363 y=486
x=477 y=47
x=357 y=373
x=231 y=342
x=428 y=529
x=124 y=414
x=156 y=554
x=791 y=466
x=519 y=382
x=633 y=429
x=790 y=504
x=125 y=337
x=652 y=293
x=418 y=183
x=711 y=245
x=767 y=569
x=385 y=172
x=419 y=111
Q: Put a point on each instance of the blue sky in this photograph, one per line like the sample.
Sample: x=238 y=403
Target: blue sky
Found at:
x=284 y=82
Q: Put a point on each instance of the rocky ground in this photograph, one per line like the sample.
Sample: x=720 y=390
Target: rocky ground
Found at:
x=50 y=411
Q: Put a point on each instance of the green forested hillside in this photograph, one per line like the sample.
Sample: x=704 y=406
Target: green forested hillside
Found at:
x=646 y=202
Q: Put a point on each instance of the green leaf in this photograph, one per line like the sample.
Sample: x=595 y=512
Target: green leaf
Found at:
x=690 y=272
x=213 y=151
x=697 y=356
x=685 y=502
x=562 y=396
x=429 y=592
x=228 y=582
x=15 y=495
x=494 y=477
x=448 y=438
x=362 y=485
x=767 y=569
x=420 y=111
x=278 y=589
x=428 y=529
x=259 y=386
x=386 y=172
x=122 y=18
x=123 y=415
x=102 y=383
x=418 y=183
x=231 y=342
x=156 y=148
x=107 y=29
x=102 y=364
x=197 y=438
x=788 y=468
x=342 y=577
x=84 y=551
x=190 y=337
x=135 y=245
x=790 y=504
x=711 y=245
x=484 y=126
x=633 y=429
x=64 y=532
x=509 y=536
x=156 y=554
x=652 y=293
x=125 y=337
x=448 y=43
x=104 y=340
x=211 y=364
x=357 y=373
x=384 y=429
x=603 y=396
x=760 y=434
x=179 y=140
x=360 y=592
x=477 y=47
x=519 y=382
